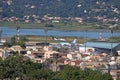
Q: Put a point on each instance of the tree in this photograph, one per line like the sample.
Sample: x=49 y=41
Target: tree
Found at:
x=13 y=66
x=74 y=73
x=13 y=41
x=68 y=73
x=2 y=69
x=41 y=74
x=16 y=67
x=62 y=8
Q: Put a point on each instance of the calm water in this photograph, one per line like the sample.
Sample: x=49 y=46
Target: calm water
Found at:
x=40 y=32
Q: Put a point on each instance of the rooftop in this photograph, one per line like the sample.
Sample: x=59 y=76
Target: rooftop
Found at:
x=106 y=45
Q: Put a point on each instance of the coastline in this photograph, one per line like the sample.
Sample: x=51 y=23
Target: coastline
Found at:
x=56 y=26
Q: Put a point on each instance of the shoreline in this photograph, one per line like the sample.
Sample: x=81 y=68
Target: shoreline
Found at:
x=73 y=26
x=90 y=30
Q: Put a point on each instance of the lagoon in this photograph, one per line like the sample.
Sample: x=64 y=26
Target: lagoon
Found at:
x=7 y=32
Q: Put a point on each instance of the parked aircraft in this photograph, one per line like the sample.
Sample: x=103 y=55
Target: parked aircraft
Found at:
x=68 y=43
x=59 y=39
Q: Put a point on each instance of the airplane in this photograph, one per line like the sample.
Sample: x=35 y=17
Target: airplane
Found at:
x=58 y=39
x=113 y=26
x=68 y=43
x=61 y=39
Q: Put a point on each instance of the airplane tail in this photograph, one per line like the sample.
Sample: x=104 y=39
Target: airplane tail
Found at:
x=74 y=41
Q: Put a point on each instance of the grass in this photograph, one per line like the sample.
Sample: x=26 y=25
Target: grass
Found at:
x=69 y=26
x=57 y=26
x=21 y=24
x=50 y=40
x=68 y=39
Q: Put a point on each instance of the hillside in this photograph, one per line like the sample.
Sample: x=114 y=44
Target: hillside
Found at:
x=87 y=9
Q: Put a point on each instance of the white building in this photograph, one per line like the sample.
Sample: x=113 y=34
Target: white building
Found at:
x=3 y=53
x=86 y=50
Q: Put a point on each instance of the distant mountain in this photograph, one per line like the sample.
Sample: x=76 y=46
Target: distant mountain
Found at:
x=62 y=8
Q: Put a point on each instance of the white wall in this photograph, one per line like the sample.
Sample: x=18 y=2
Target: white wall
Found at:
x=82 y=49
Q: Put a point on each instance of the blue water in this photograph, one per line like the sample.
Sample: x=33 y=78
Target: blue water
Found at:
x=6 y=32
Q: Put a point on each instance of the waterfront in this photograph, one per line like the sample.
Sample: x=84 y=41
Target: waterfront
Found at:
x=6 y=32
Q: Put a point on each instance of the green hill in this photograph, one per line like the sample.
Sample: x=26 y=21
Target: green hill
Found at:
x=88 y=9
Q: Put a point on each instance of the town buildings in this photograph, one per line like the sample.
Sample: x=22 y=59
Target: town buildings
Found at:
x=94 y=55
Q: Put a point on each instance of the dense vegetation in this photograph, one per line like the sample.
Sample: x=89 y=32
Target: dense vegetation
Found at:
x=62 y=8
x=22 y=68
x=94 y=14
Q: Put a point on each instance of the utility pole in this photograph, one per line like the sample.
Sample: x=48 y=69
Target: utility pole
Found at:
x=0 y=35
x=45 y=36
x=18 y=33
x=100 y=35
x=111 y=41
x=85 y=39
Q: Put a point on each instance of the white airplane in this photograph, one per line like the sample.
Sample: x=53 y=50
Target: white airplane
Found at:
x=61 y=39
x=67 y=43
x=113 y=26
